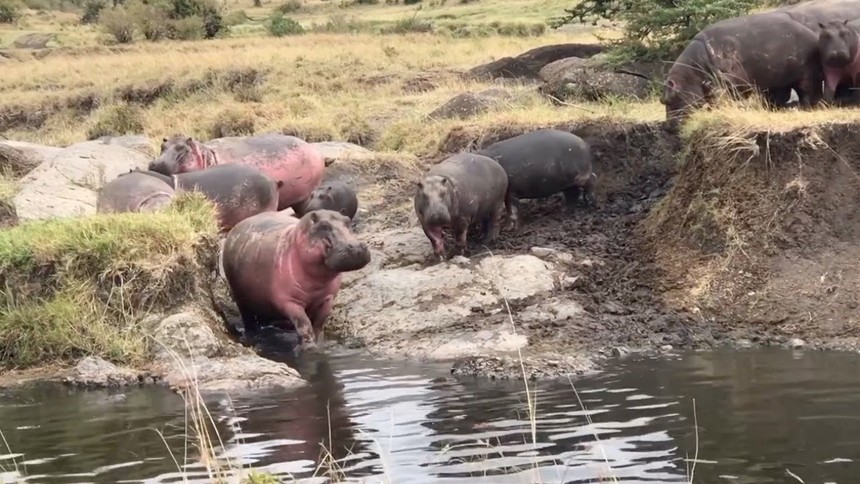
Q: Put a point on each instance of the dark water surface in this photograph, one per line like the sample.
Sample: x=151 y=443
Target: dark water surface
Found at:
x=760 y=414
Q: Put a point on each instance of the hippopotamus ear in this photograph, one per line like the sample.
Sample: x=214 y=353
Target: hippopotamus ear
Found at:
x=822 y=26
x=279 y=183
x=315 y=217
x=670 y=83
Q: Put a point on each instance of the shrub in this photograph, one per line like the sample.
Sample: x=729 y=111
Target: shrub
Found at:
x=207 y=10
x=188 y=28
x=119 y=23
x=289 y=7
x=92 y=10
x=10 y=11
x=655 y=28
x=411 y=2
x=117 y=120
x=279 y=26
x=150 y=20
x=235 y=17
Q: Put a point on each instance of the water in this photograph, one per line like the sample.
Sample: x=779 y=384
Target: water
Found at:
x=759 y=412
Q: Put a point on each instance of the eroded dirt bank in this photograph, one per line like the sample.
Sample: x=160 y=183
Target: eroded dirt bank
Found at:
x=722 y=239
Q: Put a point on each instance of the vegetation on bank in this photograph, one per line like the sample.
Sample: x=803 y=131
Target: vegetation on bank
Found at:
x=74 y=287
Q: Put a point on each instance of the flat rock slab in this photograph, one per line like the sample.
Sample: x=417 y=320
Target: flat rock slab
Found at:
x=95 y=372
x=427 y=311
x=67 y=184
x=231 y=375
x=21 y=157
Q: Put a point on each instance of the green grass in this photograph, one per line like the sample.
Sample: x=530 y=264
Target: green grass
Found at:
x=70 y=287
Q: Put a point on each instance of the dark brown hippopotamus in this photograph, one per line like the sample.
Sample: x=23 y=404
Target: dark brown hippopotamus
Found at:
x=766 y=52
x=281 y=267
x=463 y=189
x=134 y=191
x=331 y=195
x=542 y=163
x=238 y=191
x=839 y=43
x=294 y=163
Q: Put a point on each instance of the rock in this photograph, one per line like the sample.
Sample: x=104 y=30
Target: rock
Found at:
x=183 y=335
x=20 y=157
x=590 y=82
x=428 y=311
x=528 y=64
x=334 y=151
x=96 y=372
x=247 y=372
x=532 y=368
x=138 y=143
x=470 y=104
x=67 y=184
x=401 y=246
x=796 y=343
x=554 y=68
x=34 y=41
x=666 y=348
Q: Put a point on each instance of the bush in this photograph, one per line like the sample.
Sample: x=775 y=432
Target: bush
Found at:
x=188 y=28
x=411 y=2
x=10 y=11
x=119 y=23
x=235 y=17
x=150 y=20
x=279 y=26
x=656 y=29
x=207 y=10
x=117 y=120
x=289 y=7
x=92 y=10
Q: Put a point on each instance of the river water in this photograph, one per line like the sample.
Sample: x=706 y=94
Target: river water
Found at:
x=761 y=414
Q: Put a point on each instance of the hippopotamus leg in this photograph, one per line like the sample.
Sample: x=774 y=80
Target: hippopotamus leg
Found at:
x=461 y=232
x=571 y=197
x=513 y=215
x=300 y=320
x=492 y=227
x=250 y=324
x=319 y=315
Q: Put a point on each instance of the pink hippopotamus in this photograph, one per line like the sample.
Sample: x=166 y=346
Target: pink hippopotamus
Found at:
x=295 y=164
x=280 y=267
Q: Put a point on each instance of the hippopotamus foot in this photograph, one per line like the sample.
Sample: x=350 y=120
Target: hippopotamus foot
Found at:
x=461 y=232
x=304 y=328
x=513 y=214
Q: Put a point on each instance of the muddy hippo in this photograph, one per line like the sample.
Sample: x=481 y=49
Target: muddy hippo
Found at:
x=287 y=159
x=239 y=191
x=331 y=195
x=281 y=267
x=542 y=163
x=766 y=52
x=839 y=44
x=463 y=189
x=134 y=192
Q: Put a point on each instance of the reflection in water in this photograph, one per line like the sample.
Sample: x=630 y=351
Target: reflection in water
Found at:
x=760 y=413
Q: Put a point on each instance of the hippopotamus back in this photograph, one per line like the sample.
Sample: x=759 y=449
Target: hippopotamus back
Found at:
x=543 y=162
x=815 y=12
x=134 y=192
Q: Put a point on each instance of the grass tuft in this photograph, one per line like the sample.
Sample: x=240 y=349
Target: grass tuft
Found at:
x=70 y=287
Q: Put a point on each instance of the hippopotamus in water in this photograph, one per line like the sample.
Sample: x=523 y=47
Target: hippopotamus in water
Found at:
x=766 y=52
x=278 y=266
x=542 y=163
x=239 y=191
x=461 y=190
x=839 y=43
x=296 y=164
x=331 y=195
x=134 y=191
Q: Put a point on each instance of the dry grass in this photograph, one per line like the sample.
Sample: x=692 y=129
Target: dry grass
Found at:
x=318 y=86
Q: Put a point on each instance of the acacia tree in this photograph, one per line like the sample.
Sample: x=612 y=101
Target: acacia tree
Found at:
x=656 y=29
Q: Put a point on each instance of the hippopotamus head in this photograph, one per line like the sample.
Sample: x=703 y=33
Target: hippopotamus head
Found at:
x=435 y=198
x=321 y=198
x=837 y=43
x=181 y=155
x=167 y=142
x=328 y=239
x=681 y=96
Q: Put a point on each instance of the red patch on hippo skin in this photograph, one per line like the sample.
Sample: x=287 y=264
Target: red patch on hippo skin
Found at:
x=436 y=238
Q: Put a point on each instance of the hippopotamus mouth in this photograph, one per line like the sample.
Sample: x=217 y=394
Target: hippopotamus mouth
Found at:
x=345 y=256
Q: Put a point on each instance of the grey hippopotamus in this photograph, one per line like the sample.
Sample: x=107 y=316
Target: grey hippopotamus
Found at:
x=296 y=164
x=813 y=13
x=281 y=267
x=839 y=43
x=331 y=195
x=134 y=191
x=542 y=163
x=766 y=52
x=463 y=189
x=238 y=191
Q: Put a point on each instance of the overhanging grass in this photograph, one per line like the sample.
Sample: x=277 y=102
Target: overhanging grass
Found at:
x=71 y=287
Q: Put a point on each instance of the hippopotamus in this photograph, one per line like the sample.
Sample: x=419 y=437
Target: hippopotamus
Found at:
x=296 y=164
x=134 y=192
x=766 y=52
x=239 y=191
x=542 y=163
x=331 y=195
x=279 y=266
x=839 y=44
x=463 y=189
x=815 y=12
